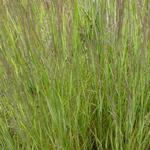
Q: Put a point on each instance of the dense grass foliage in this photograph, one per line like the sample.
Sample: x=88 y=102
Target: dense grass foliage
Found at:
x=75 y=74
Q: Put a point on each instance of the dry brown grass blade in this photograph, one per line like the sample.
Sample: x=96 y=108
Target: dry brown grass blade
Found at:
x=119 y=16
x=145 y=28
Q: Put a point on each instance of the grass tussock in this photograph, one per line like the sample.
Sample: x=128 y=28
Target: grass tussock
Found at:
x=74 y=75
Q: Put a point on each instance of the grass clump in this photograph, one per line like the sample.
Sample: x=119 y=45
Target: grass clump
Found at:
x=74 y=75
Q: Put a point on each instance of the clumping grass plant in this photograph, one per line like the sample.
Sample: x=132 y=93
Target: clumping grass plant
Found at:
x=74 y=74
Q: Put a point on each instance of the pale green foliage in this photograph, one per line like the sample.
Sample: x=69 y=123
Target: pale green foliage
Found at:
x=74 y=75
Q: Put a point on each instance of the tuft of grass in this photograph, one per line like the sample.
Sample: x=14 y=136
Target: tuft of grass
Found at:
x=74 y=75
